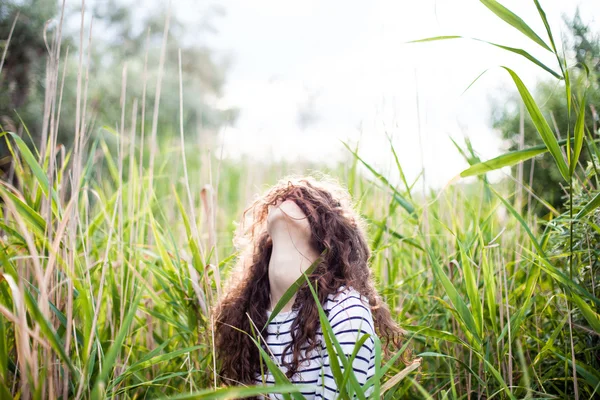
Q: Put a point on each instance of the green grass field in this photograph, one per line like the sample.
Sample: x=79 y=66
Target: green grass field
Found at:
x=113 y=255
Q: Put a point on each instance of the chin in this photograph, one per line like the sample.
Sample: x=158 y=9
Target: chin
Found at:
x=275 y=216
x=287 y=214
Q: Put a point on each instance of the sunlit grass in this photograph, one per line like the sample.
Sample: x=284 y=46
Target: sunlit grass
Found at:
x=113 y=256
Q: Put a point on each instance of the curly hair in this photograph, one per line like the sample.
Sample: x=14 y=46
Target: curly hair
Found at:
x=337 y=229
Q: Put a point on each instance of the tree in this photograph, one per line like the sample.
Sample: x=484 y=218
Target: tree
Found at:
x=545 y=182
x=119 y=37
x=203 y=74
x=21 y=78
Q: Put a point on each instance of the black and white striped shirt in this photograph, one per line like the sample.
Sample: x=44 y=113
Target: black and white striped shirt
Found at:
x=350 y=318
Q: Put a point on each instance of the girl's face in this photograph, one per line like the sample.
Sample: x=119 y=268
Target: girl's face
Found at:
x=287 y=215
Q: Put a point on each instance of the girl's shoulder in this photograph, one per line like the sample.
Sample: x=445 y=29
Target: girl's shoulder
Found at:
x=349 y=311
x=347 y=297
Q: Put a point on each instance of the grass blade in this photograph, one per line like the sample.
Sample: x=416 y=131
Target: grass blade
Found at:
x=541 y=124
x=237 y=392
x=519 y=218
x=393 y=381
x=507 y=160
x=465 y=317
x=592 y=317
x=578 y=136
x=434 y=333
x=436 y=38
x=515 y=50
x=589 y=374
x=399 y=168
x=545 y=20
x=280 y=377
x=376 y=394
x=517 y=318
x=287 y=296
x=514 y=20
x=335 y=351
x=528 y=56
x=434 y=354
x=36 y=169
x=471 y=288
x=116 y=347
x=48 y=330
x=561 y=278
x=395 y=234
x=589 y=207
x=399 y=198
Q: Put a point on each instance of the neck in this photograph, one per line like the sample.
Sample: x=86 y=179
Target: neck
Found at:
x=292 y=254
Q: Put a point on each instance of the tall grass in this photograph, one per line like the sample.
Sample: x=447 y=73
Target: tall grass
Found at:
x=113 y=256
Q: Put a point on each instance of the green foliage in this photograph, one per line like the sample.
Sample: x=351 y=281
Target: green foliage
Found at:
x=586 y=239
x=119 y=40
x=22 y=75
x=110 y=269
x=541 y=173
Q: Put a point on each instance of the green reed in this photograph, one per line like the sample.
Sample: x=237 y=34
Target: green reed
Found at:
x=113 y=255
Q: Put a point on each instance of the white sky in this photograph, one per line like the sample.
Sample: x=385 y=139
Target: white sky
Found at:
x=351 y=58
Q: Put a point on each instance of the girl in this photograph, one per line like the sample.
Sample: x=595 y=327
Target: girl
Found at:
x=294 y=224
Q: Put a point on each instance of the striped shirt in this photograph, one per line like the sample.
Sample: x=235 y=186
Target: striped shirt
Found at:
x=350 y=318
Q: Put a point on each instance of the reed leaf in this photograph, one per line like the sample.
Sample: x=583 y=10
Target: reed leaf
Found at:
x=156 y=359
x=472 y=289
x=399 y=198
x=32 y=219
x=541 y=124
x=578 y=135
x=490 y=290
x=335 y=351
x=280 y=378
x=49 y=332
x=37 y=171
x=517 y=318
x=549 y=345
x=434 y=333
x=546 y=24
x=515 y=50
x=394 y=380
x=505 y=160
x=561 y=278
x=522 y=222
x=395 y=234
x=514 y=20
x=376 y=394
x=589 y=374
x=116 y=347
x=465 y=366
x=465 y=316
x=589 y=207
x=592 y=317
x=291 y=291
x=237 y=392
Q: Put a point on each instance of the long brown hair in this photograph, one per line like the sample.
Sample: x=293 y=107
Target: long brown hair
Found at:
x=335 y=228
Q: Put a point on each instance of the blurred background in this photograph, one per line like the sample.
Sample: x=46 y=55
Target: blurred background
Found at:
x=273 y=81
x=144 y=128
